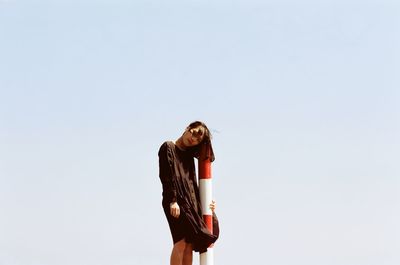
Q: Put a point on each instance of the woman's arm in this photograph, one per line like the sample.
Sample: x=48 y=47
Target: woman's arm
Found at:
x=166 y=176
x=166 y=173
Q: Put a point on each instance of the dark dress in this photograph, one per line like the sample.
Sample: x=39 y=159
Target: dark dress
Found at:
x=178 y=178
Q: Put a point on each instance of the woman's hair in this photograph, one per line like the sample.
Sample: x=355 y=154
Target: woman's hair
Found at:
x=206 y=141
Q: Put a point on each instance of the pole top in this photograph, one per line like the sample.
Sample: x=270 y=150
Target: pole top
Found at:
x=206 y=152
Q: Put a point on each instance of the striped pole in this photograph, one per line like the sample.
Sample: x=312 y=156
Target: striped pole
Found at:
x=205 y=186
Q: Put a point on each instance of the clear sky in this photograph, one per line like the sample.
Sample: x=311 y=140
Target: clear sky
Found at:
x=303 y=98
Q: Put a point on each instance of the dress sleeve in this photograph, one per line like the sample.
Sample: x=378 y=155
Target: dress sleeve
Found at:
x=166 y=173
x=215 y=225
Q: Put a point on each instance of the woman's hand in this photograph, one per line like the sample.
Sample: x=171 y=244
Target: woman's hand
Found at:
x=174 y=209
x=213 y=206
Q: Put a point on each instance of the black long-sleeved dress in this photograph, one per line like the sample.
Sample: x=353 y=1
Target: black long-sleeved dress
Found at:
x=178 y=178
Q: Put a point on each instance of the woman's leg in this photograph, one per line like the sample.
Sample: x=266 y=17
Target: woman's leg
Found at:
x=188 y=254
x=178 y=252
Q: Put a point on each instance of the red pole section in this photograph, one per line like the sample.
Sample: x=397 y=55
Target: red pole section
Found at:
x=205 y=186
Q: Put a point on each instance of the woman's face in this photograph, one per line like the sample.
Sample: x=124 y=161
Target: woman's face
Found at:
x=193 y=136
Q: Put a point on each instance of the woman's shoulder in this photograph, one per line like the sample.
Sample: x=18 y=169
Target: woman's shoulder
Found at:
x=167 y=145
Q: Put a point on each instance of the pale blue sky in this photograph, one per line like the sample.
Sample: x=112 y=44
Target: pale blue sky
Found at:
x=303 y=99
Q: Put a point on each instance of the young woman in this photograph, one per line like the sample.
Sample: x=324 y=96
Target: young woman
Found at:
x=181 y=199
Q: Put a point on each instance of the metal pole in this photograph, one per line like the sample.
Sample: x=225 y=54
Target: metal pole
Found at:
x=205 y=186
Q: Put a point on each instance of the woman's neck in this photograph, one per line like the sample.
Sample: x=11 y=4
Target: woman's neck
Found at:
x=179 y=144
